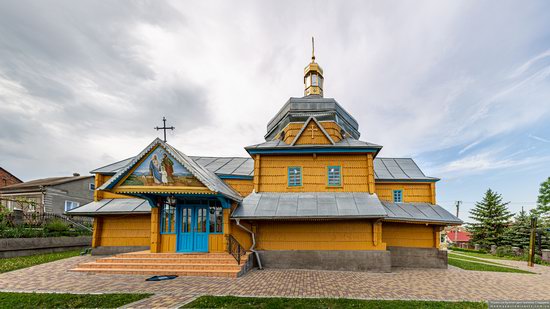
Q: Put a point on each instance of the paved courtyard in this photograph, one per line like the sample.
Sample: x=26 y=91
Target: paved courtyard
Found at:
x=428 y=284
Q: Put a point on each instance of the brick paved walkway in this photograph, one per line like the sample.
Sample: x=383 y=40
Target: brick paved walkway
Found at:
x=429 y=284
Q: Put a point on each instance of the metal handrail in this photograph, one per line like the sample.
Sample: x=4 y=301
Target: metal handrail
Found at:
x=235 y=249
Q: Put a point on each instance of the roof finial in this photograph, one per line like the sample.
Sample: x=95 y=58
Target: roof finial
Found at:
x=312 y=49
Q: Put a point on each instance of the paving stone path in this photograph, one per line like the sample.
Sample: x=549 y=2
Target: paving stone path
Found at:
x=425 y=284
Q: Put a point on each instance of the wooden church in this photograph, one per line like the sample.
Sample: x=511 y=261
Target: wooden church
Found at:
x=312 y=196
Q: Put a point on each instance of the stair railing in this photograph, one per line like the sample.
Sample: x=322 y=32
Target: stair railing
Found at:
x=235 y=249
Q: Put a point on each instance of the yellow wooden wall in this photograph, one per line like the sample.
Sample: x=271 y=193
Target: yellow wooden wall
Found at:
x=99 y=195
x=412 y=192
x=272 y=172
x=317 y=137
x=318 y=235
x=409 y=235
x=292 y=129
x=167 y=243
x=243 y=186
x=124 y=230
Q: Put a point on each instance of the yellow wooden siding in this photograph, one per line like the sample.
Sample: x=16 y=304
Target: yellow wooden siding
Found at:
x=292 y=129
x=125 y=230
x=412 y=192
x=99 y=195
x=274 y=173
x=312 y=135
x=167 y=243
x=243 y=237
x=215 y=243
x=243 y=186
x=408 y=235
x=318 y=235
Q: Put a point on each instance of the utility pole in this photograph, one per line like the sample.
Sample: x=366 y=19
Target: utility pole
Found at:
x=457 y=204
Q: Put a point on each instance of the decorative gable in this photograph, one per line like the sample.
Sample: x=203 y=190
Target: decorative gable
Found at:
x=159 y=168
x=312 y=133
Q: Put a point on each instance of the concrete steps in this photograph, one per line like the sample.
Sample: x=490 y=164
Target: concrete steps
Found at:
x=146 y=263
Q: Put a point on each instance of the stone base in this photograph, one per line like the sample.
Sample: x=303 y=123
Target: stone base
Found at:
x=102 y=250
x=375 y=261
x=13 y=247
x=418 y=257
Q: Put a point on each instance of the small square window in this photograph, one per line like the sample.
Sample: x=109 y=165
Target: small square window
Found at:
x=334 y=176
x=71 y=205
x=397 y=196
x=92 y=187
x=294 y=176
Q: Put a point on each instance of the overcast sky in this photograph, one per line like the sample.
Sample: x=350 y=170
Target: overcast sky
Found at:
x=463 y=87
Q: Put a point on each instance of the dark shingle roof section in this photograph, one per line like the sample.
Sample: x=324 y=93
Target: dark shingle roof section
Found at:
x=44 y=182
x=317 y=205
x=419 y=212
x=389 y=169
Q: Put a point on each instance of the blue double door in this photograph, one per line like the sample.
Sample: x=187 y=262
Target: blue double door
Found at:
x=193 y=229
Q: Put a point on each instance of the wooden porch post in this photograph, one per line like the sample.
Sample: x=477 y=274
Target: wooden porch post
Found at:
x=226 y=227
x=96 y=236
x=155 y=230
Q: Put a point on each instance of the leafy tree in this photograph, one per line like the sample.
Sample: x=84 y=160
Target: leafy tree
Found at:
x=543 y=201
x=517 y=235
x=492 y=218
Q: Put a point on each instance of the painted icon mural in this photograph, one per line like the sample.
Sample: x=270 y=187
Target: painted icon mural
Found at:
x=161 y=169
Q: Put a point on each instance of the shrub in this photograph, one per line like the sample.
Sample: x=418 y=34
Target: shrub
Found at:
x=505 y=251
x=56 y=226
x=468 y=250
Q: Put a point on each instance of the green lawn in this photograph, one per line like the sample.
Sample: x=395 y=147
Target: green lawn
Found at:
x=39 y=300
x=489 y=256
x=470 y=265
x=10 y=264
x=314 y=303
x=473 y=259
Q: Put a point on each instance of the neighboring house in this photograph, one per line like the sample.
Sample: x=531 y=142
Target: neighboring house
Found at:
x=50 y=195
x=7 y=178
x=311 y=196
x=457 y=237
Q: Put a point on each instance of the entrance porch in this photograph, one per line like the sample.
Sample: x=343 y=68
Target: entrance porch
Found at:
x=147 y=263
x=180 y=224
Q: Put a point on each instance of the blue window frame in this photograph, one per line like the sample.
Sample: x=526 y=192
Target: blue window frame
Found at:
x=398 y=196
x=294 y=176
x=334 y=176
x=216 y=217
x=168 y=219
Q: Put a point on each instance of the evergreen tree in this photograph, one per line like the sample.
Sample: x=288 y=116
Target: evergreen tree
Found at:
x=492 y=218
x=517 y=235
x=543 y=201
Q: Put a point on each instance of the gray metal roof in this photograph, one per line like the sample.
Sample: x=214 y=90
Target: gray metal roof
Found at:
x=299 y=109
x=315 y=205
x=385 y=169
x=344 y=143
x=208 y=178
x=341 y=205
x=419 y=212
x=113 y=206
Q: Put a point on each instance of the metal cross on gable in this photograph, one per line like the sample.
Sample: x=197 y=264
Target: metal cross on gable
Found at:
x=164 y=128
x=313 y=129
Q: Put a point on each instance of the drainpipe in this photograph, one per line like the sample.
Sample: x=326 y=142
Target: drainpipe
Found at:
x=253 y=242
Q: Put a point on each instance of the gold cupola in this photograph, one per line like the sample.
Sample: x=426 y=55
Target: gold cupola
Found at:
x=313 y=75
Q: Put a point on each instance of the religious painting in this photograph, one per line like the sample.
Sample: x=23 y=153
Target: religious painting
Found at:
x=161 y=169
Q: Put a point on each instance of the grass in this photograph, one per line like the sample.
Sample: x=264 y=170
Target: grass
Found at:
x=490 y=256
x=14 y=263
x=314 y=303
x=470 y=265
x=473 y=259
x=39 y=300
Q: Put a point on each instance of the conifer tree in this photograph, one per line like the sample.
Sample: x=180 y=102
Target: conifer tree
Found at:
x=492 y=218
x=517 y=235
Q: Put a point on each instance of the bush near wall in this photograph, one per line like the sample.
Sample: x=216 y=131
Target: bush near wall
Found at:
x=467 y=250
